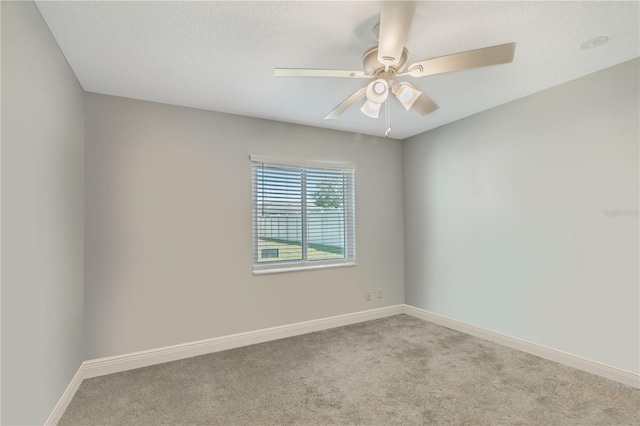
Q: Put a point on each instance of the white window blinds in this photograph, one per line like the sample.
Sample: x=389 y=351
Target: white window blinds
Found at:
x=303 y=216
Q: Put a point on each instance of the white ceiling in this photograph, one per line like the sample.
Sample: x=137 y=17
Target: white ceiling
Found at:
x=220 y=56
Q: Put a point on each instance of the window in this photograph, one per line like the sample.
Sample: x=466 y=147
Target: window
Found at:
x=303 y=216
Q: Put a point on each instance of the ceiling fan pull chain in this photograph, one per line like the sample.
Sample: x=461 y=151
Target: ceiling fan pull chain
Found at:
x=388 y=117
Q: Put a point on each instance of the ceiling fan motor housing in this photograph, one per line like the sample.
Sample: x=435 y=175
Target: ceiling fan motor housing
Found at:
x=375 y=68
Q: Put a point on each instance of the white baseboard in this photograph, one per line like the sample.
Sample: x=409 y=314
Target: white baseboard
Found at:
x=541 y=351
x=65 y=399
x=118 y=363
x=115 y=364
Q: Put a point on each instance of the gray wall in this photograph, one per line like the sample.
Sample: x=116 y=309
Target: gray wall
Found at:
x=506 y=223
x=42 y=218
x=168 y=212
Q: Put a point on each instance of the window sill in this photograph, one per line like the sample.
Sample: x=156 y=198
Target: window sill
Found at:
x=277 y=269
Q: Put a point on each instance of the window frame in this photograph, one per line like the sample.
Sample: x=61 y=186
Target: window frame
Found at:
x=349 y=258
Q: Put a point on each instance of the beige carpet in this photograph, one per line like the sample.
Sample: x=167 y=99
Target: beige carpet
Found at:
x=398 y=370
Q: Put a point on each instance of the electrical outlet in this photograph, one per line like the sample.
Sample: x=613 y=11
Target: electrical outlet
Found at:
x=367 y=296
x=379 y=293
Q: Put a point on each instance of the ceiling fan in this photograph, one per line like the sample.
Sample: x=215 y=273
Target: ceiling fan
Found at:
x=382 y=63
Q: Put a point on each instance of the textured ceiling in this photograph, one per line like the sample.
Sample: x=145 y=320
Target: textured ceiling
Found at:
x=220 y=56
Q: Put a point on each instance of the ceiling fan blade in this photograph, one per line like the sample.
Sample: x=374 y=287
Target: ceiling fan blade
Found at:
x=395 y=21
x=493 y=55
x=346 y=104
x=424 y=105
x=304 y=72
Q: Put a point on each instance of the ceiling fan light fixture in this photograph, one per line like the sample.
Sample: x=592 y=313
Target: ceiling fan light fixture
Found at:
x=371 y=109
x=407 y=95
x=378 y=91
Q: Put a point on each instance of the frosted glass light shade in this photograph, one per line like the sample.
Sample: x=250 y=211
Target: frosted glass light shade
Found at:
x=371 y=109
x=378 y=91
x=407 y=95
